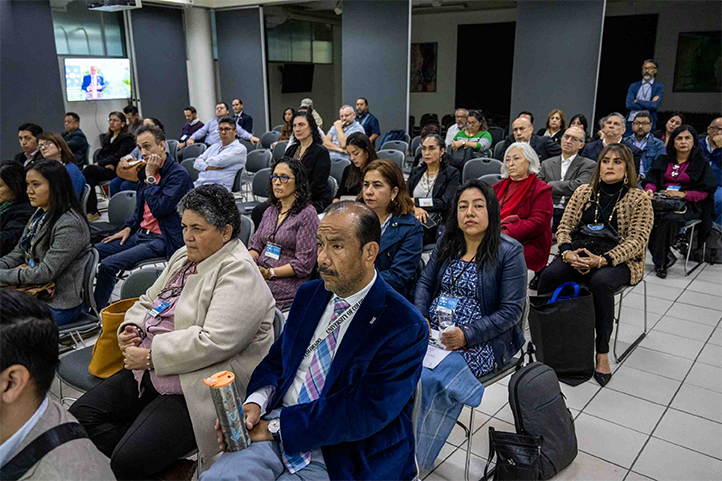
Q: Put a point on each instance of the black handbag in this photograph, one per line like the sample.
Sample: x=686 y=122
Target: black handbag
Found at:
x=598 y=241
x=518 y=456
x=663 y=203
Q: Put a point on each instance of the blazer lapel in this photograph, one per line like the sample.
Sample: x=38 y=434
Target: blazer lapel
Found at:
x=390 y=237
x=371 y=308
x=556 y=167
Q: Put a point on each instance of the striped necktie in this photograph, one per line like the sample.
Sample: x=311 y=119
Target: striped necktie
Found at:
x=315 y=380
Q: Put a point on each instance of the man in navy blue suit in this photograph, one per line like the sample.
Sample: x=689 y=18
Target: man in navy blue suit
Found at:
x=645 y=94
x=93 y=84
x=333 y=398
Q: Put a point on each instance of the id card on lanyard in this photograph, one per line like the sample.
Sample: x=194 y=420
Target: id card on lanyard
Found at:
x=426 y=202
x=273 y=251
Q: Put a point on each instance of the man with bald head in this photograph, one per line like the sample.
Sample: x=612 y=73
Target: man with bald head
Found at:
x=334 y=396
x=335 y=140
x=613 y=127
x=523 y=131
x=566 y=172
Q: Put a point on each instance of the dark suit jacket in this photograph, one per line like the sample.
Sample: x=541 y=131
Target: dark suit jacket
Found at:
x=544 y=147
x=12 y=225
x=245 y=121
x=400 y=253
x=88 y=78
x=112 y=152
x=593 y=149
x=318 y=167
x=444 y=188
x=362 y=421
x=78 y=145
x=20 y=158
x=579 y=172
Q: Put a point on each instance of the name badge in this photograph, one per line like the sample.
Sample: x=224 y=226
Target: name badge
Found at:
x=273 y=251
x=155 y=312
x=596 y=226
x=448 y=303
x=183 y=137
x=673 y=187
x=426 y=202
x=31 y=262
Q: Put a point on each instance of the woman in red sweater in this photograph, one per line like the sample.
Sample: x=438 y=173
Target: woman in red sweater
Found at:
x=526 y=206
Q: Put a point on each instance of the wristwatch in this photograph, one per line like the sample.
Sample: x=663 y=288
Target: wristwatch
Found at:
x=463 y=142
x=273 y=273
x=150 y=180
x=274 y=427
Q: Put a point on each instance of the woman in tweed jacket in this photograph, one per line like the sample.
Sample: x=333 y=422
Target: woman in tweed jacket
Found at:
x=616 y=201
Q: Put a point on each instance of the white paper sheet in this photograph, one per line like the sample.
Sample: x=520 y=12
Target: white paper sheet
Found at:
x=434 y=355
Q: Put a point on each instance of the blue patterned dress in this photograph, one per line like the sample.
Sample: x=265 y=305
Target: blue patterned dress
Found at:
x=480 y=359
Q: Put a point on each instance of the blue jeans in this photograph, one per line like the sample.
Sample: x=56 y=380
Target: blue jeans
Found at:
x=118 y=184
x=718 y=205
x=115 y=258
x=66 y=316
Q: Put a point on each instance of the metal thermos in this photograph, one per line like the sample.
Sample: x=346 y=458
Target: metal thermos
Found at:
x=229 y=409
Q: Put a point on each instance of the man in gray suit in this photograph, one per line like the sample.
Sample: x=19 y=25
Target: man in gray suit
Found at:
x=566 y=172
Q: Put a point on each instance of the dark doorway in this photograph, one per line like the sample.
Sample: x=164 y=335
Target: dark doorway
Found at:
x=484 y=81
x=627 y=42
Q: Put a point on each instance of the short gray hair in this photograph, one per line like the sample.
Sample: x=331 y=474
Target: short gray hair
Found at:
x=347 y=106
x=215 y=204
x=529 y=155
x=615 y=114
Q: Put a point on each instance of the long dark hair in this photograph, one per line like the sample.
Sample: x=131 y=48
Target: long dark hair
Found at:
x=453 y=245
x=672 y=150
x=625 y=153
x=311 y=123
x=483 y=126
x=441 y=143
x=357 y=139
x=403 y=204
x=66 y=155
x=303 y=190
x=123 y=124
x=13 y=174
x=62 y=196
x=583 y=121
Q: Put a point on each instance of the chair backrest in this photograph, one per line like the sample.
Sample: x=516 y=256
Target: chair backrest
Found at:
x=84 y=198
x=490 y=179
x=399 y=145
x=395 y=155
x=475 y=168
x=121 y=206
x=447 y=120
x=188 y=165
x=337 y=168
x=278 y=128
x=257 y=160
x=278 y=321
x=280 y=149
x=91 y=268
x=415 y=143
x=499 y=150
x=248 y=145
x=497 y=135
x=238 y=182
x=139 y=282
x=193 y=150
x=173 y=148
x=247 y=230
x=261 y=181
x=268 y=138
x=95 y=156
x=332 y=185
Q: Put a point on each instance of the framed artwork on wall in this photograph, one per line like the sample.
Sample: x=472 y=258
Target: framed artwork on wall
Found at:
x=423 y=67
x=698 y=67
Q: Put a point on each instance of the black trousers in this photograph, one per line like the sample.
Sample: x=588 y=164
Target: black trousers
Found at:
x=556 y=219
x=94 y=175
x=141 y=435
x=601 y=282
x=665 y=230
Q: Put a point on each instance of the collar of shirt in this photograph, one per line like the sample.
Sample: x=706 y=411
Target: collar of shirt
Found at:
x=386 y=224
x=11 y=444
x=195 y=121
x=354 y=298
x=569 y=159
x=31 y=155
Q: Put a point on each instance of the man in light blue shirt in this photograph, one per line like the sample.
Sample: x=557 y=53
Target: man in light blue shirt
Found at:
x=335 y=140
x=220 y=163
x=644 y=140
x=210 y=129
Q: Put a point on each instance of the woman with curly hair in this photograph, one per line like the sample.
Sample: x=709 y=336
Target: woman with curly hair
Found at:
x=284 y=246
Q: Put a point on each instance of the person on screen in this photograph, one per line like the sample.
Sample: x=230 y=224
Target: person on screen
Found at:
x=93 y=84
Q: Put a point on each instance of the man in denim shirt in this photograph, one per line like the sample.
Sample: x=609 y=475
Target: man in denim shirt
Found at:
x=643 y=139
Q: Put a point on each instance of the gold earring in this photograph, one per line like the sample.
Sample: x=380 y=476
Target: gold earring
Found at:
x=625 y=177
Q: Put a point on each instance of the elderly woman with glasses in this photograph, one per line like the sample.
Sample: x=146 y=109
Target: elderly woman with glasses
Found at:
x=209 y=311
x=526 y=205
x=284 y=246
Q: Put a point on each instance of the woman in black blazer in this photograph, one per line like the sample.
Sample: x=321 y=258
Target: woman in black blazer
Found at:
x=433 y=184
x=117 y=143
x=15 y=209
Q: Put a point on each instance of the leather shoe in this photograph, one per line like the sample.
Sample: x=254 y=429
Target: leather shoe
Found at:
x=602 y=378
x=661 y=272
x=534 y=283
x=671 y=260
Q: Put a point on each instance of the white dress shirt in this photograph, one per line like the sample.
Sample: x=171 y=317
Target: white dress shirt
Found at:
x=231 y=158
x=566 y=163
x=14 y=441
x=450 y=134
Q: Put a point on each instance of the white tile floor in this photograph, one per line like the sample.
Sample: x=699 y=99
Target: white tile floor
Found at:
x=660 y=417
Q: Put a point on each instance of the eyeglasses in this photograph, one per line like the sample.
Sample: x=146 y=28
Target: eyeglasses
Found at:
x=571 y=138
x=281 y=178
x=43 y=145
x=641 y=123
x=716 y=129
x=649 y=68
x=225 y=129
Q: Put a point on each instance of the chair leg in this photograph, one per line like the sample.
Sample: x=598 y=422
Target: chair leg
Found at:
x=469 y=434
x=689 y=250
x=639 y=339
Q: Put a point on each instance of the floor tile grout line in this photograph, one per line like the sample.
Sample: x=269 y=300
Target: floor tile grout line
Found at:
x=618 y=424
x=688 y=448
x=669 y=406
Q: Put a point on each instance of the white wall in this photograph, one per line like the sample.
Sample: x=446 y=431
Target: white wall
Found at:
x=442 y=28
x=93 y=113
x=201 y=70
x=674 y=18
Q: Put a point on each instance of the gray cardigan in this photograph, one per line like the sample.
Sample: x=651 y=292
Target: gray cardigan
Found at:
x=60 y=255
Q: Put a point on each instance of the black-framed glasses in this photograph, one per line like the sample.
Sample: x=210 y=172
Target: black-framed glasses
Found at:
x=225 y=129
x=571 y=138
x=281 y=178
x=45 y=144
x=641 y=123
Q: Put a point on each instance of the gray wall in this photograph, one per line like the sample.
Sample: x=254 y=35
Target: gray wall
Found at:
x=240 y=62
x=30 y=90
x=160 y=55
x=559 y=77
x=375 y=42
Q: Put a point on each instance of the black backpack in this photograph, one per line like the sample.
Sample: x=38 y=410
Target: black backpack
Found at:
x=537 y=402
